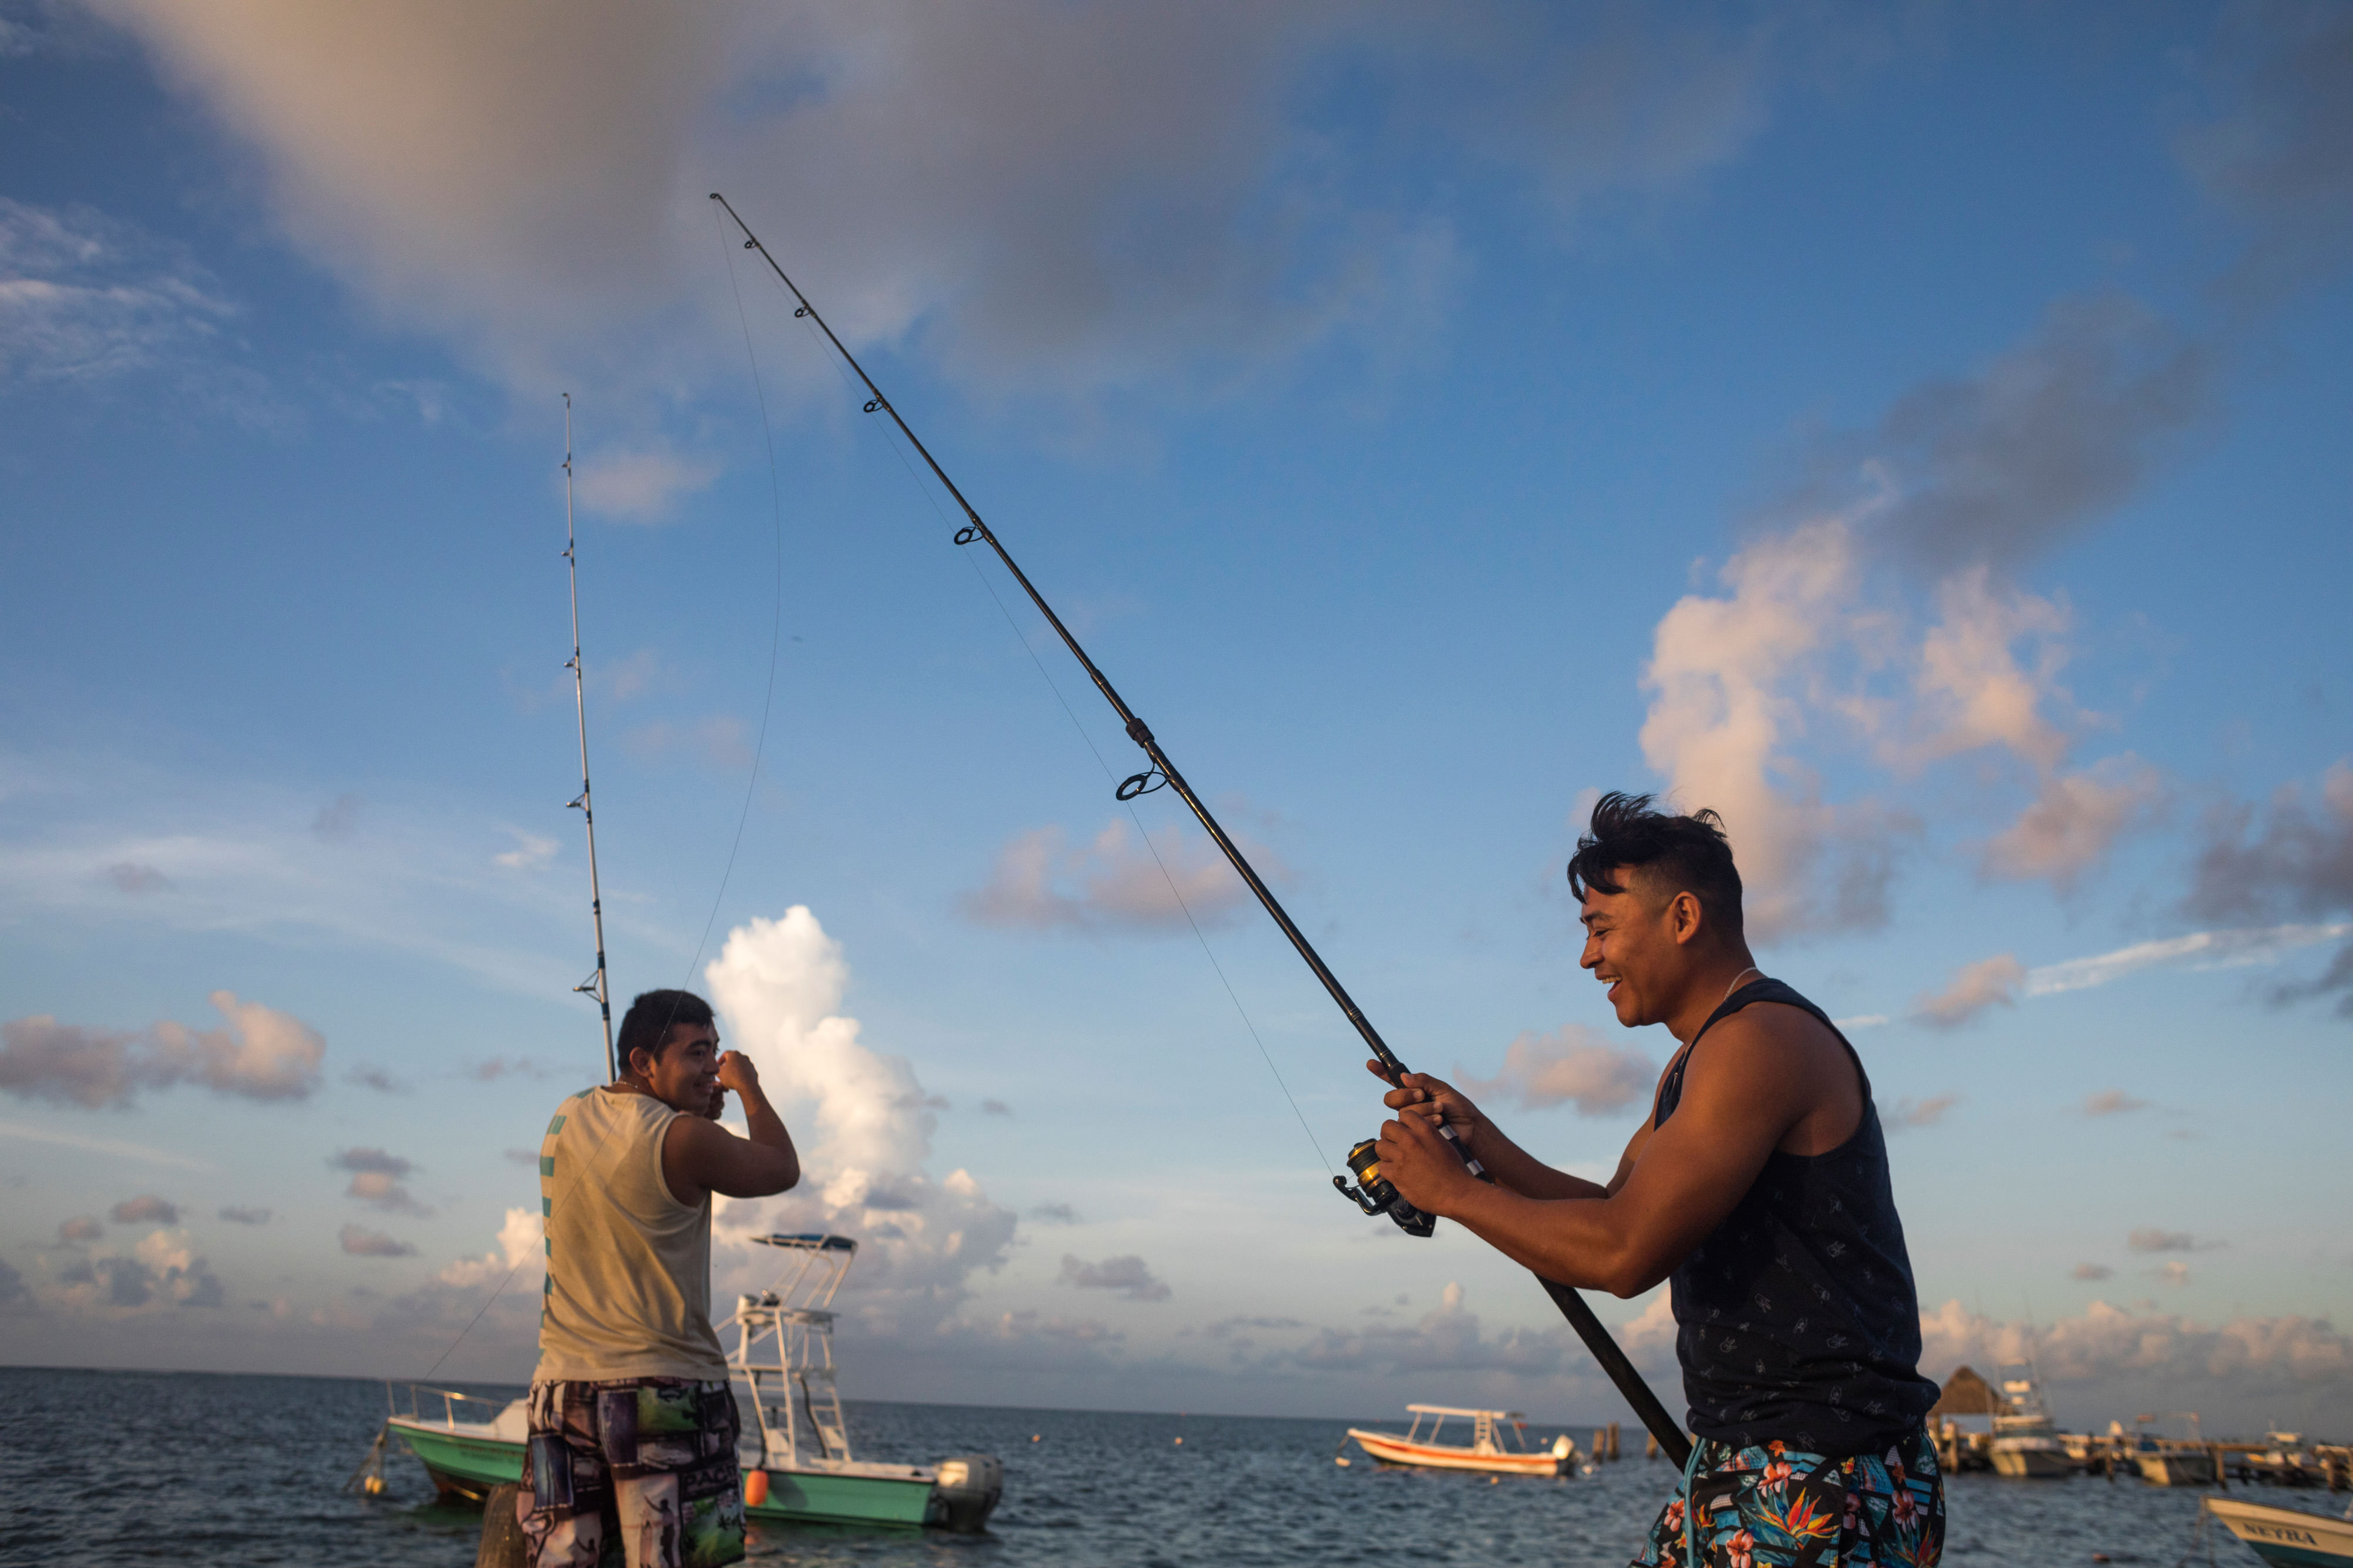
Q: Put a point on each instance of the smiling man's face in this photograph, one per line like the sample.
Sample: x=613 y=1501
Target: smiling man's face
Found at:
x=686 y=1075
x=1630 y=946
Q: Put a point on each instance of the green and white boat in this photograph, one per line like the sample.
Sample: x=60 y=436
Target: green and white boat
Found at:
x=797 y=1462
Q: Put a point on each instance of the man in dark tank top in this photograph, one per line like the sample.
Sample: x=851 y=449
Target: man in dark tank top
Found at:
x=1758 y=1185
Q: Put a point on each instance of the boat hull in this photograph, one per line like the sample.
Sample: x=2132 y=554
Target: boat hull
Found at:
x=819 y=1498
x=466 y=1464
x=2181 y=1470
x=1390 y=1449
x=2032 y=1464
x=2285 y=1537
x=463 y=1464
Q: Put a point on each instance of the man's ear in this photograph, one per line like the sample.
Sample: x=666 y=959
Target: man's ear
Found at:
x=1686 y=916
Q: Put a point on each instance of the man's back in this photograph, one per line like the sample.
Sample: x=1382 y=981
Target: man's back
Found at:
x=629 y=1266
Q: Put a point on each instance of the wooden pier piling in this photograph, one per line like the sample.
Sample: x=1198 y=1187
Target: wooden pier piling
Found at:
x=502 y=1544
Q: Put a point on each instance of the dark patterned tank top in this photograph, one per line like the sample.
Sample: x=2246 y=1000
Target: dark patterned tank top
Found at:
x=1796 y=1317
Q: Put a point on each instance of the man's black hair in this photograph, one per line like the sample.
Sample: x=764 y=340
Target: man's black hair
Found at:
x=1678 y=854
x=645 y=1026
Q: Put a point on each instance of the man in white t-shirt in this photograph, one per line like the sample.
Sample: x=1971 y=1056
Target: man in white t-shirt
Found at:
x=633 y=1426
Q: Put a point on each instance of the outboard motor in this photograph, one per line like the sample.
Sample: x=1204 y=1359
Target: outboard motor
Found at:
x=966 y=1492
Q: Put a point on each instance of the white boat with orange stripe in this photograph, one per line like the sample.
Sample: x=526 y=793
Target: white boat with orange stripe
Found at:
x=1495 y=1443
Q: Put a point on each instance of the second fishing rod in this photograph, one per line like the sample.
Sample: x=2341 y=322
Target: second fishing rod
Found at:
x=1375 y=1195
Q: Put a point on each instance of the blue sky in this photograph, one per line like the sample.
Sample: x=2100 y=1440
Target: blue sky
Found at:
x=1918 y=435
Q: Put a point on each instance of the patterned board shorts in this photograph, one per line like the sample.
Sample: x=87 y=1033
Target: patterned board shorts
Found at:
x=1748 y=1508
x=651 y=1460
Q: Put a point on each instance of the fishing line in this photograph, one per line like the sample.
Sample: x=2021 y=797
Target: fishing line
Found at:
x=1021 y=636
x=477 y=1318
x=775 y=624
x=767 y=705
x=1377 y=1196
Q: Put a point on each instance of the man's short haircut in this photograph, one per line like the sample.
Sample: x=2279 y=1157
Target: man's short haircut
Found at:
x=645 y=1026
x=1674 y=853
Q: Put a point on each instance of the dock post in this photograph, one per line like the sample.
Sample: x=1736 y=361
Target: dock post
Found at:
x=1649 y=1446
x=502 y=1544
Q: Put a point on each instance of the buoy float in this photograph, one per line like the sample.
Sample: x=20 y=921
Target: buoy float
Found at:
x=755 y=1487
x=1180 y=1442
x=1340 y=1460
x=1036 y=1436
x=373 y=1485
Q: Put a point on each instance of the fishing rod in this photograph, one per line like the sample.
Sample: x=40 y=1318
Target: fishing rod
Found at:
x=596 y=984
x=1375 y=1195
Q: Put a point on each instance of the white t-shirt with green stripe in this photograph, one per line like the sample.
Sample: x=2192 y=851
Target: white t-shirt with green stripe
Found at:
x=629 y=1266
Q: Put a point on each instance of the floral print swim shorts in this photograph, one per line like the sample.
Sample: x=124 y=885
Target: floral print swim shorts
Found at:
x=1775 y=1505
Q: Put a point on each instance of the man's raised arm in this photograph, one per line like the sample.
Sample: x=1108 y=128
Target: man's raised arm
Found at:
x=700 y=1156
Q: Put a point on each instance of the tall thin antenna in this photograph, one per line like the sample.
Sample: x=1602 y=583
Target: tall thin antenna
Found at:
x=595 y=985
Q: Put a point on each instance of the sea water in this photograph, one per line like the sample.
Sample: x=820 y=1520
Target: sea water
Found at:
x=219 y=1471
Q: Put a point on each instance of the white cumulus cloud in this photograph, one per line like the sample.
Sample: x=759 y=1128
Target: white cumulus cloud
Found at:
x=862 y=1125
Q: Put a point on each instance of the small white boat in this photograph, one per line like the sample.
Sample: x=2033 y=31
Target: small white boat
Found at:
x=2165 y=1462
x=2285 y=1537
x=1489 y=1449
x=2025 y=1443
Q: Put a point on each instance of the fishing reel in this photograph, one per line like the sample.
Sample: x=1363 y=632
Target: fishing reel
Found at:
x=1378 y=1195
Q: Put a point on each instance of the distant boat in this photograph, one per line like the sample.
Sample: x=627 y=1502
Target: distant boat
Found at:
x=1489 y=1449
x=783 y=1360
x=2285 y=1537
x=2166 y=1463
x=2025 y=1443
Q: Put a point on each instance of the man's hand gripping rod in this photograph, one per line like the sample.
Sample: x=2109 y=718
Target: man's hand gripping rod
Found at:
x=1377 y=1196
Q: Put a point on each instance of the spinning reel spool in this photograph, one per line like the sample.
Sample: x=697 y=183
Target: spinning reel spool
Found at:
x=1377 y=1195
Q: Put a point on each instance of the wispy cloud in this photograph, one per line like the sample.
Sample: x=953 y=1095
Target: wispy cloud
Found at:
x=1570 y=1066
x=1128 y=1276
x=531 y=851
x=1117 y=881
x=2151 y=1238
x=262 y=1053
x=720 y=742
x=146 y=1209
x=377 y=1180
x=1989 y=982
x=1921 y=1113
x=2199 y=950
x=114 y=1148
x=238 y=857
x=2300 y=862
x=361 y=1242
x=89 y=301
x=643 y=486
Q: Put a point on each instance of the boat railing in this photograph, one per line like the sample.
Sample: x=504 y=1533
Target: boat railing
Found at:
x=421 y=1396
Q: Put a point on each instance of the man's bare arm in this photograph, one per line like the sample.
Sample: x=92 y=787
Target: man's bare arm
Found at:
x=1434 y=1099
x=1752 y=1080
x=700 y=1156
